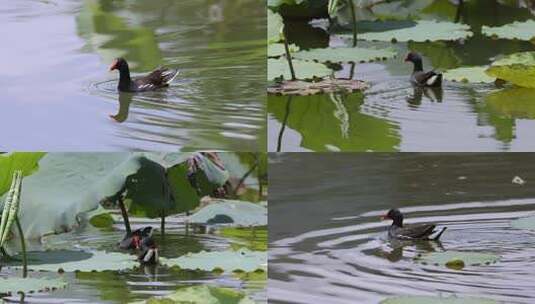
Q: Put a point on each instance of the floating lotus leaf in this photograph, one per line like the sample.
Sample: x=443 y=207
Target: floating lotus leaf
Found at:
x=424 y=30
x=251 y=238
x=518 y=103
x=518 y=68
x=13 y=285
x=277 y=49
x=458 y=259
x=228 y=261
x=238 y=213
x=516 y=30
x=202 y=295
x=524 y=223
x=85 y=261
x=436 y=300
x=474 y=74
x=317 y=87
x=345 y=54
x=275 y=24
x=303 y=69
x=399 y=10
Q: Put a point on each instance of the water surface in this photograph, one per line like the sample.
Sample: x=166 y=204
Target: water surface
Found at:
x=338 y=252
x=59 y=95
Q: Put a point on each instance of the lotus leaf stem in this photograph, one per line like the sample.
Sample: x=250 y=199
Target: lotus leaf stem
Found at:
x=354 y=20
x=23 y=248
x=288 y=55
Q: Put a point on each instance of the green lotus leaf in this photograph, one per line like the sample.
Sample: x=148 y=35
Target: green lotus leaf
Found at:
x=516 y=30
x=25 y=161
x=202 y=295
x=275 y=23
x=345 y=54
x=458 y=259
x=474 y=74
x=228 y=261
x=237 y=213
x=518 y=68
x=424 y=30
x=277 y=49
x=13 y=285
x=255 y=239
x=436 y=300
x=78 y=260
x=524 y=223
x=515 y=103
x=303 y=69
x=400 y=10
x=288 y=87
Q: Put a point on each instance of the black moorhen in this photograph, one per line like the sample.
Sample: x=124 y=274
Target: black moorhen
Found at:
x=419 y=77
x=410 y=232
x=149 y=250
x=158 y=78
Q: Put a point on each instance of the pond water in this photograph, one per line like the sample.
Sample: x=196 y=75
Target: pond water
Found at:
x=338 y=251
x=392 y=115
x=59 y=95
x=140 y=283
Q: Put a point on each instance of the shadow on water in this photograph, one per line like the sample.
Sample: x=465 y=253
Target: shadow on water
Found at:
x=339 y=251
x=464 y=116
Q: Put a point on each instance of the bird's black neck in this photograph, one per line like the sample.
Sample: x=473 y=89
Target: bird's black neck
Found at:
x=124 y=78
x=398 y=222
x=418 y=65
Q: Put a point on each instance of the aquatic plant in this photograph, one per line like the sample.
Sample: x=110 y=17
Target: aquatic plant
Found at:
x=201 y=295
x=517 y=68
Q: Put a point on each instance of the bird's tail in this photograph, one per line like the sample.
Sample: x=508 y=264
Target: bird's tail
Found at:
x=439 y=234
x=169 y=75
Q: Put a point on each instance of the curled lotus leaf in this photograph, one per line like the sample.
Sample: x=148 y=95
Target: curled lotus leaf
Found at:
x=228 y=261
x=517 y=68
x=423 y=31
x=318 y=87
x=14 y=285
x=516 y=30
x=475 y=74
x=304 y=70
x=524 y=223
x=436 y=300
x=234 y=212
x=275 y=23
x=345 y=54
x=458 y=259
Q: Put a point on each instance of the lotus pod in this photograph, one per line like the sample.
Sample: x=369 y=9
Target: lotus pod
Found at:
x=7 y=205
x=14 y=205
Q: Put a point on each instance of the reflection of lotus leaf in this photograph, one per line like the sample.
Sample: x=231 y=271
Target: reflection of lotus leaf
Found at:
x=518 y=68
x=242 y=259
x=453 y=259
x=524 y=223
x=298 y=87
x=334 y=122
x=423 y=31
x=14 y=285
x=516 y=30
x=469 y=74
x=436 y=300
x=303 y=70
x=277 y=49
x=71 y=261
x=518 y=103
x=275 y=24
x=241 y=213
x=345 y=54
x=202 y=295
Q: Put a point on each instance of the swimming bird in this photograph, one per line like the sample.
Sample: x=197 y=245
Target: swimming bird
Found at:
x=410 y=232
x=156 y=79
x=419 y=77
x=149 y=253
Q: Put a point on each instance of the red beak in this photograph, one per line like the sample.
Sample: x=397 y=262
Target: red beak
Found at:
x=113 y=65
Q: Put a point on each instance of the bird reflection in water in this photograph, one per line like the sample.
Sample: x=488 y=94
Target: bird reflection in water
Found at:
x=434 y=94
x=396 y=246
x=124 y=107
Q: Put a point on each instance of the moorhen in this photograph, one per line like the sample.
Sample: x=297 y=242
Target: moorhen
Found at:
x=419 y=77
x=410 y=232
x=148 y=249
x=158 y=78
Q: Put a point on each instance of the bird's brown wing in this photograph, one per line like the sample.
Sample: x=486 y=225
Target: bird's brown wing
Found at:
x=417 y=231
x=157 y=78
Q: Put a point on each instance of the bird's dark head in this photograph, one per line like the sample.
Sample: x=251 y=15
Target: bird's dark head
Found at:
x=413 y=57
x=118 y=64
x=395 y=215
x=147 y=232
